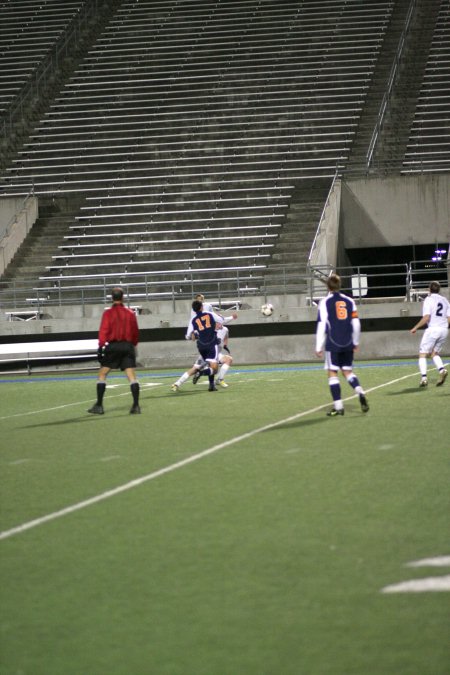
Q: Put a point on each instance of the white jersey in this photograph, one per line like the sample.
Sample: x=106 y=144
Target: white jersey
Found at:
x=438 y=308
x=222 y=334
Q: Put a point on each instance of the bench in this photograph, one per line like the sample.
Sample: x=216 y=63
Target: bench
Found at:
x=29 y=355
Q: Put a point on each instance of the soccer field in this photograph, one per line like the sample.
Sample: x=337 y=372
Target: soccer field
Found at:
x=240 y=532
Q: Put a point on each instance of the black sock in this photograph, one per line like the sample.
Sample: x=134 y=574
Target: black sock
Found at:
x=211 y=379
x=135 y=392
x=101 y=386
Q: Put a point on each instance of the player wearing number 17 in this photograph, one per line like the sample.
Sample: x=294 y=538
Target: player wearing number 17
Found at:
x=202 y=328
x=338 y=330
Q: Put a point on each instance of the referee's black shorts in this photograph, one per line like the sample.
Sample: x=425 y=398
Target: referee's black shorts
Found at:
x=119 y=355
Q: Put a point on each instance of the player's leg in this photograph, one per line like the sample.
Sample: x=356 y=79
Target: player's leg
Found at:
x=437 y=360
x=425 y=349
x=135 y=390
x=182 y=379
x=225 y=361
x=201 y=368
x=354 y=383
x=423 y=369
x=97 y=408
x=213 y=367
x=332 y=368
x=211 y=355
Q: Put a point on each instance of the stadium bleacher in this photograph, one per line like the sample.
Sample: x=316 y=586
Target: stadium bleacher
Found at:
x=184 y=119
x=185 y=130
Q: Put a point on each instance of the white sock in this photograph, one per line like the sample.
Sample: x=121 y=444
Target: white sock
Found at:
x=183 y=378
x=222 y=372
x=423 y=365
x=358 y=388
x=438 y=362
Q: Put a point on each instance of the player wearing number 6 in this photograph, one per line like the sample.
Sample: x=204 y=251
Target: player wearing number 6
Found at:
x=338 y=331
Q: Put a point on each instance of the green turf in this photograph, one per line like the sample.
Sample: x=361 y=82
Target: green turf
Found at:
x=266 y=557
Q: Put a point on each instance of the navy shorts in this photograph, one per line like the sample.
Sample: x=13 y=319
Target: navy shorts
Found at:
x=209 y=352
x=119 y=355
x=339 y=360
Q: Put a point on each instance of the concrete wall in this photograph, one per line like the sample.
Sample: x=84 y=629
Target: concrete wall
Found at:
x=177 y=353
x=395 y=211
x=17 y=217
x=324 y=251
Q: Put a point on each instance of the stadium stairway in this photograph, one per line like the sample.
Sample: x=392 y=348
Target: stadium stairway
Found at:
x=55 y=218
x=394 y=136
x=357 y=162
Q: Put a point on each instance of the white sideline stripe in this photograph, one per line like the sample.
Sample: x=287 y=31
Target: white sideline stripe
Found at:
x=172 y=467
x=420 y=585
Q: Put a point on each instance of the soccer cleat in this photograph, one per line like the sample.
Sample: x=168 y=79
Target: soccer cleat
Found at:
x=135 y=410
x=223 y=384
x=96 y=410
x=175 y=387
x=333 y=412
x=196 y=377
x=423 y=382
x=212 y=387
x=442 y=378
x=363 y=403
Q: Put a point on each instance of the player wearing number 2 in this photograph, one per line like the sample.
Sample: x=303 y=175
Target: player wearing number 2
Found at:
x=435 y=313
x=338 y=331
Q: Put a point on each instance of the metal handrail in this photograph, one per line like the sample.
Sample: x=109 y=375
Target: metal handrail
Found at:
x=390 y=86
x=402 y=281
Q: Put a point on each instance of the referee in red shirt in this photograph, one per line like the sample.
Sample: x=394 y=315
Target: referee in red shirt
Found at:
x=118 y=337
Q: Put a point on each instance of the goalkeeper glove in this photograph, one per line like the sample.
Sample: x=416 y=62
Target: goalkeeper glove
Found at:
x=101 y=353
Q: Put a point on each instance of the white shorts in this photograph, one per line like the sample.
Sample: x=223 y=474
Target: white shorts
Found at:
x=433 y=340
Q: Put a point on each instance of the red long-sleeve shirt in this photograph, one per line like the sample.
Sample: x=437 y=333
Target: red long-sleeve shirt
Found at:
x=118 y=324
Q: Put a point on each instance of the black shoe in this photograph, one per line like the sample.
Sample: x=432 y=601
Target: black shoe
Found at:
x=196 y=377
x=96 y=410
x=135 y=410
x=212 y=387
x=333 y=412
x=364 y=404
x=442 y=378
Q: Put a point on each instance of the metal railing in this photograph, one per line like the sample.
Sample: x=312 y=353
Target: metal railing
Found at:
x=369 y=283
x=390 y=85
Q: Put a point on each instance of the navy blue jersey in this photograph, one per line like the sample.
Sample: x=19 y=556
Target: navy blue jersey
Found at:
x=338 y=325
x=203 y=325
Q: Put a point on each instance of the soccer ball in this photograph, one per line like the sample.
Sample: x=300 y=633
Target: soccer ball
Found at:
x=267 y=309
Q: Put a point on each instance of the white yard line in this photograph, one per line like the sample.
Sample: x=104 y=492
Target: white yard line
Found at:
x=172 y=467
x=70 y=405
x=427 y=585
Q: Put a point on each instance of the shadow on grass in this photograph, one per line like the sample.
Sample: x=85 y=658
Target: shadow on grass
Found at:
x=408 y=390
x=295 y=424
x=73 y=420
